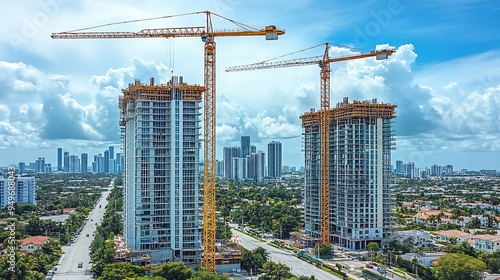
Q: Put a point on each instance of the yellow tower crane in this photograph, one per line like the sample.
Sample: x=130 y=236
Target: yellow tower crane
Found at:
x=207 y=34
x=324 y=63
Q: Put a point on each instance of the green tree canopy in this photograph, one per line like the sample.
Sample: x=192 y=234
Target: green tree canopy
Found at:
x=325 y=250
x=173 y=270
x=254 y=259
x=459 y=267
x=122 y=270
x=275 y=271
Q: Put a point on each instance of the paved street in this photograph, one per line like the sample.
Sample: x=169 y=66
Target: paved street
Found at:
x=299 y=267
x=79 y=250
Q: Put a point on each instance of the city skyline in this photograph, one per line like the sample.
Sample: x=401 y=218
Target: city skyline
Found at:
x=443 y=76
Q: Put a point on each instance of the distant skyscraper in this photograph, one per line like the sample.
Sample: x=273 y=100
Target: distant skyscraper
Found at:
x=361 y=139
x=409 y=169
x=74 y=164
x=245 y=146
x=66 y=161
x=119 y=162
x=219 y=168
x=40 y=165
x=161 y=144
x=111 y=152
x=436 y=170
x=99 y=163
x=48 y=168
x=229 y=153
x=256 y=166
x=399 y=166
x=22 y=168
x=448 y=169
x=239 y=169
x=84 y=163
x=106 y=161
x=274 y=159
x=59 y=159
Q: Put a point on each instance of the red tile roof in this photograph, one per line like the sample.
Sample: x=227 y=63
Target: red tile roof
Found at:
x=35 y=240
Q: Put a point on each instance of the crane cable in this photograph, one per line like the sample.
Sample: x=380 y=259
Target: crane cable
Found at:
x=129 y=21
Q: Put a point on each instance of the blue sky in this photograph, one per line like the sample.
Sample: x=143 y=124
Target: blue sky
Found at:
x=444 y=77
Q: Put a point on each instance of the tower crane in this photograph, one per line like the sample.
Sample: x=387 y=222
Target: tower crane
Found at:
x=207 y=34
x=324 y=63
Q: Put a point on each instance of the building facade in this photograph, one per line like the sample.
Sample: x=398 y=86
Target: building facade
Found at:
x=161 y=145
x=59 y=159
x=25 y=190
x=245 y=146
x=229 y=153
x=84 y=163
x=361 y=139
x=256 y=166
x=274 y=161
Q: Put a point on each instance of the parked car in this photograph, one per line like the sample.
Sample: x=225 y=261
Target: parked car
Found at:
x=369 y=265
x=80 y=265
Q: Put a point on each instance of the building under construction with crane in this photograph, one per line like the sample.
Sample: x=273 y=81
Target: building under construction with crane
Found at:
x=207 y=35
x=161 y=140
x=360 y=138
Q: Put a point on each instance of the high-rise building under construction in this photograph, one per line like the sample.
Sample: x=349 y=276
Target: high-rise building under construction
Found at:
x=361 y=139
x=161 y=144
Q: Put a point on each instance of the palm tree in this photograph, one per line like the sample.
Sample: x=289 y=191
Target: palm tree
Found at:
x=431 y=219
x=474 y=223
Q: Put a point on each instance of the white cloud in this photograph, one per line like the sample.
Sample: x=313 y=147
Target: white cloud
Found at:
x=46 y=96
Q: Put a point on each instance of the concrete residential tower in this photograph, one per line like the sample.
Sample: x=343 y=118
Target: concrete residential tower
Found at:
x=161 y=138
x=361 y=140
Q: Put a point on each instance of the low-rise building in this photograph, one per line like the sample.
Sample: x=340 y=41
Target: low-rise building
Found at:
x=420 y=238
x=447 y=235
x=487 y=243
x=32 y=243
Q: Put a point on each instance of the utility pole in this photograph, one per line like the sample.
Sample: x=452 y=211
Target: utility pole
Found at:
x=281 y=232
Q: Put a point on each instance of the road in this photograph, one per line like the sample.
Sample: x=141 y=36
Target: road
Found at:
x=298 y=266
x=79 y=250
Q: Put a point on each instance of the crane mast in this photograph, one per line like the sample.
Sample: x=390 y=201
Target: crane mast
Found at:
x=208 y=35
x=324 y=113
x=209 y=166
x=324 y=131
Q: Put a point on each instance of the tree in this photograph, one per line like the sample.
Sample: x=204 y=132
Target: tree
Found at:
x=275 y=271
x=494 y=265
x=122 y=270
x=459 y=267
x=474 y=223
x=202 y=274
x=172 y=270
x=325 y=250
x=373 y=247
x=254 y=259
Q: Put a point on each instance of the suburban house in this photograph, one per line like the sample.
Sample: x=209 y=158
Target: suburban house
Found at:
x=32 y=243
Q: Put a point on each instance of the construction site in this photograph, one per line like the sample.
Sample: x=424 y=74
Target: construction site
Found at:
x=170 y=210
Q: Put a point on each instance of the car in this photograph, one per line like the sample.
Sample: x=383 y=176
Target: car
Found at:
x=381 y=270
x=80 y=265
x=369 y=265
